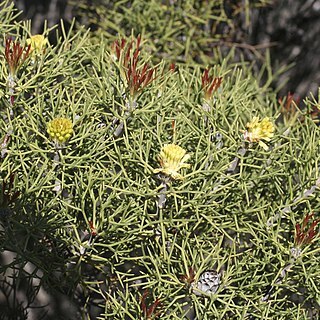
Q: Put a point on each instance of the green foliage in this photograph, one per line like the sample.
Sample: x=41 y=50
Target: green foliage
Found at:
x=182 y=31
x=89 y=216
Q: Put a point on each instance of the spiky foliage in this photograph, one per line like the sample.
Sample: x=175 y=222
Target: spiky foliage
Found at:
x=84 y=218
x=183 y=31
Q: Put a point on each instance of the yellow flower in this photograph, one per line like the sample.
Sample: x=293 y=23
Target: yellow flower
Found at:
x=37 y=43
x=259 y=130
x=172 y=158
x=60 y=129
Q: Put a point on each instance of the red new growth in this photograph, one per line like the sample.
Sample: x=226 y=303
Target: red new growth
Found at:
x=189 y=278
x=172 y=67
x=15 y=55
x=210 y=84
x=118 y=46
x=303 y=234
x=150 y=312
x=93 y=230
x=137 y=77
x=289 y=105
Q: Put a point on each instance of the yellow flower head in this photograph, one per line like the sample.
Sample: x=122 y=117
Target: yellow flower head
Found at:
x=37 y=43
x=259 y=130
x=60 y=129
x=172 y=158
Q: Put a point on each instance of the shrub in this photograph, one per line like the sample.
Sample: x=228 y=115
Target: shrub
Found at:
x=153 y=190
